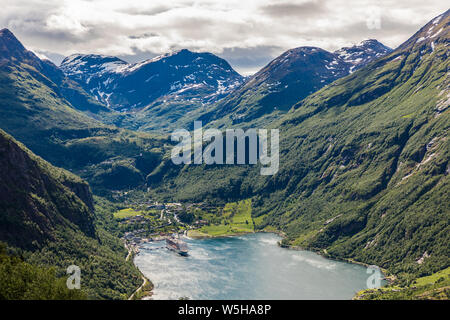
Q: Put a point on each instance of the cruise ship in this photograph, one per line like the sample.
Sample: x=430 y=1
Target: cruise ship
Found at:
x=177 y=245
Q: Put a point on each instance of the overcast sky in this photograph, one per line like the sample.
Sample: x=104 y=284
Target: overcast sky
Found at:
x=248 y=33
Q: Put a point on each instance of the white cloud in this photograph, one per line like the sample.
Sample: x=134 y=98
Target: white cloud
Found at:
x=127 y=27
x=65 y=23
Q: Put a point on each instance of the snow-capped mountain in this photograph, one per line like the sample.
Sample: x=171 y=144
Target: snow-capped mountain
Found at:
x=361 y=54
x=178 y=76
x=290 y=78
x=431 y=34
x=171 y=85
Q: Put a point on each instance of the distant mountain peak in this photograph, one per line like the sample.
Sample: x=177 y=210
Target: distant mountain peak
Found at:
x=81 y=56
x=369 y=42
x=305 y=49
x=179 y=57
x=291 y=77
x=88 y=63
x=435 y=31
x=7 y=34
x=12 y=48
x=181 y=75
x=361 y=54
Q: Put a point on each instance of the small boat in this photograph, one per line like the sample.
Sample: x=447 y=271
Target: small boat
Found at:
x=176 y=244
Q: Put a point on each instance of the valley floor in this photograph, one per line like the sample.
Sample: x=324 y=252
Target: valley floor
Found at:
x=143 y=222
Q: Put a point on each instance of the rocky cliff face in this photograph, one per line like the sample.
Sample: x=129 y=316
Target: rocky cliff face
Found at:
x=37 y=198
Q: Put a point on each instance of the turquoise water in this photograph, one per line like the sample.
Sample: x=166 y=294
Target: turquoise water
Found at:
x=251 y=266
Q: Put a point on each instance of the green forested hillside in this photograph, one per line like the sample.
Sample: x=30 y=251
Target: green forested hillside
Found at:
x=432 y=287
x=364 y=171
x=35 y=197
x=22 y=281
x=378 y=150
x=363 y=164
x=34 y=110
x=47 y=218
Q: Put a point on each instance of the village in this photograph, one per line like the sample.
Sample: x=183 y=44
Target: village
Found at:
x=154 y=221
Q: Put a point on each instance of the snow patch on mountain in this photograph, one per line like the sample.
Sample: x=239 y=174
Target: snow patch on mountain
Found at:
x=182 y=74
x=361 y=54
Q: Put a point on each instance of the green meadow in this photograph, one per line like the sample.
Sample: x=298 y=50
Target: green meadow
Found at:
x=236 y=219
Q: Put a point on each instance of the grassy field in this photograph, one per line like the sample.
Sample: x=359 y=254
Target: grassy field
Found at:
x=434 y=278
x=126 y=213
x=433 y=287
x=236 y=219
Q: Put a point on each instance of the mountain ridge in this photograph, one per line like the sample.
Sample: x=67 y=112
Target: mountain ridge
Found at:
x=364 y=160
x=35 y=112
x=13 y=52
x=287 y=79
x=125 y=86
x=364 y=164
x=261 y=93
x=361 y=54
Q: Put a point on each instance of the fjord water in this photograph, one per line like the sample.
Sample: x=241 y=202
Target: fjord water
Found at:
x=250 y=266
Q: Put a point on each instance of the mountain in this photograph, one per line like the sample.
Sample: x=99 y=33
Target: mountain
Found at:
x=158 y=94
x=94 y=72
x=364 y=160
x=48 y=217
x=287 y=79
x=173 y=90
x=179 y=76
x=363 y=53
x=35 y=111
x=20 y=280
x=364 y=164
x=36 y=196
x=372 y=160
x=12 y=51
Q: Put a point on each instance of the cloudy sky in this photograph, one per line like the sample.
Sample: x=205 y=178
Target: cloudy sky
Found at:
x=248 y=33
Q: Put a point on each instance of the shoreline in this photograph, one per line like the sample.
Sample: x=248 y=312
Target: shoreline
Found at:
x=130 y=256
x=386 y=274
x=208 y=236
x=322 y=252
x=390 y=278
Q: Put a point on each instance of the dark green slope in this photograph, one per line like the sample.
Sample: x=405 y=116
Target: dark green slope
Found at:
x=35 y=197
x=363 y=163
x=22 y=281
x=47 y=217
x=33 y=110
x=12 y=51
x=366 y=161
